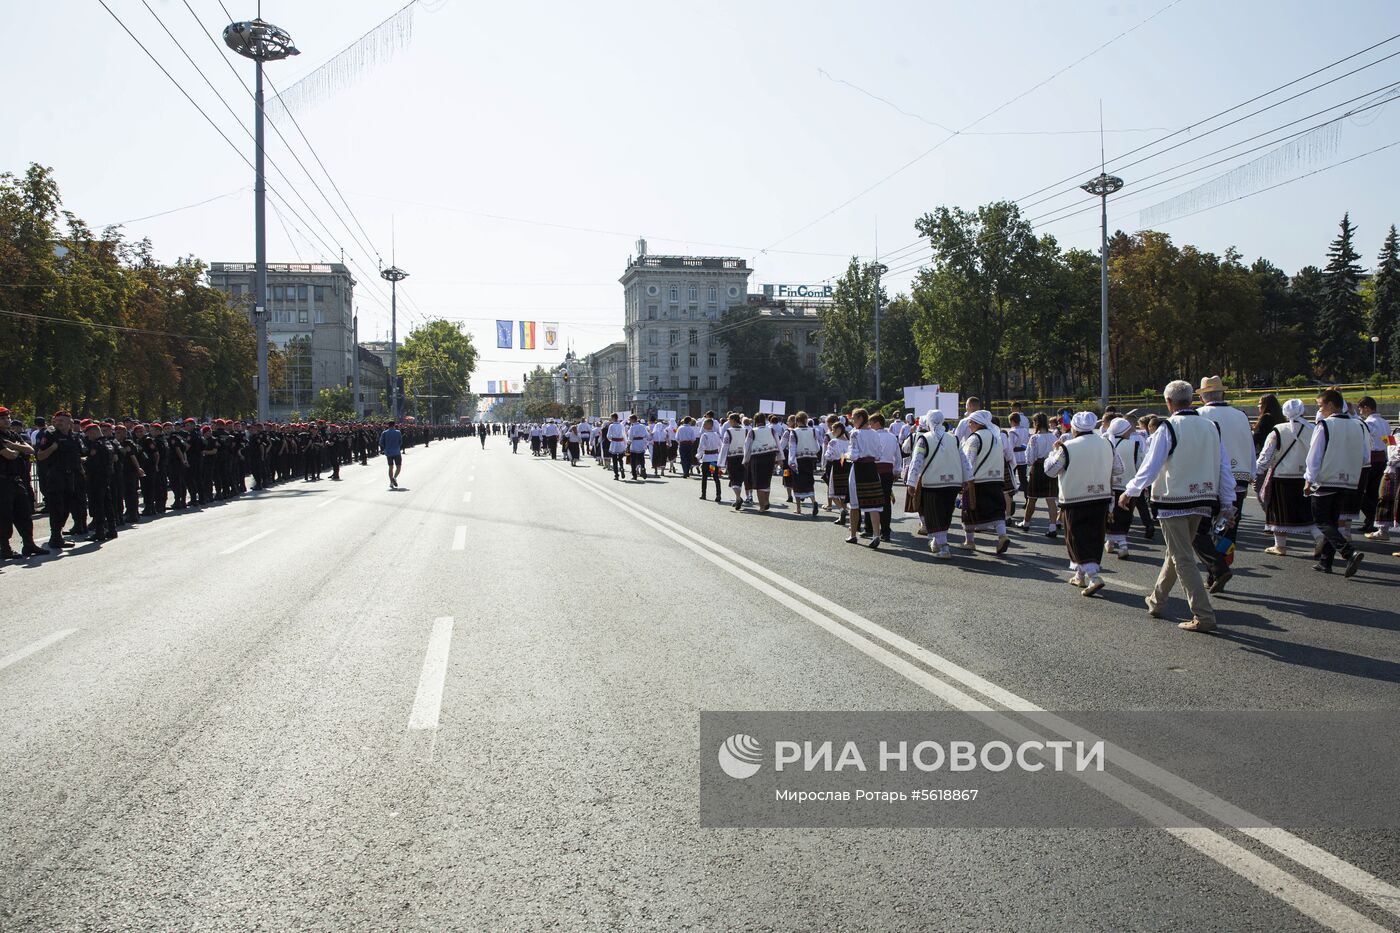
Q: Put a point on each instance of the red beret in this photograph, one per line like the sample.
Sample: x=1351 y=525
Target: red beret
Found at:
x=88 y=423
x=4 y=410
x=206 y=428
x=61 y=413
x=189 y=421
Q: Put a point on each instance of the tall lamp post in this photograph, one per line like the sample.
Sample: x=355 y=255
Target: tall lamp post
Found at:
x=262 y=42
x=1101 y=187
x=394 y=275
x=880 y=269
x=1375 y=342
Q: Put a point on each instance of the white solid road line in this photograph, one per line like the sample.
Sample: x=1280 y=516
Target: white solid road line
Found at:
x=247 y=541
x=1319 y=906
x=459 y=538
x=467 y=496
x=427 y=705
x=40 y=645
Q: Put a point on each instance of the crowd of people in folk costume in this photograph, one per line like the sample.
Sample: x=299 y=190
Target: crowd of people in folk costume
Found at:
x=1185 y=472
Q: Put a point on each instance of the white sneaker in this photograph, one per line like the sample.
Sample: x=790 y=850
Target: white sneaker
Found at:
x=1276 y=551
x=969 y=546
x=943 y=553
x=1094 y=584
x=1122 y=552
x=1076 y=580
x=1380 y=534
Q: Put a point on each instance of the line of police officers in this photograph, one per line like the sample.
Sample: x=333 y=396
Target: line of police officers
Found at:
x=105 y=474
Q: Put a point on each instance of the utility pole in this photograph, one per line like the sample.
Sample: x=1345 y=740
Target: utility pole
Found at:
x=355 y=365
x=262 y=42
x=879 y=269
x=1101 y=187
x=394 y=275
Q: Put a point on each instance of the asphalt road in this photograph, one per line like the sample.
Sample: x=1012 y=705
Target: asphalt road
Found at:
x=473 y=704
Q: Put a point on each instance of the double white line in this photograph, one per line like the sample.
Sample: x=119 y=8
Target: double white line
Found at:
x=919 y=665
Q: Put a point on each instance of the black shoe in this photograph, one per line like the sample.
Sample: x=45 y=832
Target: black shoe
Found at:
x=1322 y=568
x=837 y=521
x=874 y=544
x=1218 y=584
x=1353 y=562
x=8 y=554
x=1052 y=533
x=1150 y=533
x=885 y=538
x=33 y=550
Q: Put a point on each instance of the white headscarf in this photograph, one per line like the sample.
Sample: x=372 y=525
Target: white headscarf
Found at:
x=1293 y=409
x=982 y=417
x=1084 y=422
x=933 y=420
x=1119 y=427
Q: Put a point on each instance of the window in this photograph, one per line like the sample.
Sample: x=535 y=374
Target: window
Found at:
x=675 y=335
x=675 y=382
x=694 y=337
x=675 y=361
x=693 y=362
x=712 y=383
x=651 y=312
x=787 y=336
x=277 y=292
x=237 y=290
x=694 y=292
x=320 y=294
x=712 y=293
x=675 y=309
x=675 y=293
x=811 y=361
x=811 y=338
x=651 y=337
x=320 y=315
x=713 y=360
x=301 y=293
x=651 y=382
x=301 y=316
x=651 y=360
x=694 y=382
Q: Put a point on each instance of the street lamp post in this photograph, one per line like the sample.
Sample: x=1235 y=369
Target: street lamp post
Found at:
x=262 y=42
x=394 y=275
x=880 y=269
x=1375 y=342
x=1101 y=187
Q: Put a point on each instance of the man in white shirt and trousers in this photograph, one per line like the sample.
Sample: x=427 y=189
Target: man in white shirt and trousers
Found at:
x=1237 y=434
x=1340 y=450
x=1189 y=472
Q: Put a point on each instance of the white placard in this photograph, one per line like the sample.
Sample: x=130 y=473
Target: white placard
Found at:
x=666 y=415
x=948 y=404
x=623 y=415
x=770 y=407
x=920 y=400
x=911 y=392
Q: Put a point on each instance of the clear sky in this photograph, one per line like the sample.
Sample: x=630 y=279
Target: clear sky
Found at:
x=722 y=128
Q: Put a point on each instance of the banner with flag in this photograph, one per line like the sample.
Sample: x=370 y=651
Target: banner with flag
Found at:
x=551 y=335
x=505 y=386
x=490 y=387
x=503 y=335
x=527 y=335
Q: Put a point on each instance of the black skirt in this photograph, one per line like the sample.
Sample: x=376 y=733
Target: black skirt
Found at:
x=936 y=507
x=1041 y=486
x=761 y=470
x=989 y=505
x=734 y=466
x=804 y=477
x=1287 y=506
x=1084 y=530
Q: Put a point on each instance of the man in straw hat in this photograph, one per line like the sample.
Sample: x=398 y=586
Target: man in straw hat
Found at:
x=1237 y=434
x=1088 y=468
x=1189 y=472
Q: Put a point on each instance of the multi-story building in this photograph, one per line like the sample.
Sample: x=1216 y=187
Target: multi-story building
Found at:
x=672 y=306
x=797 y=322
x=310 y=321
x=373 y=391
x=606 y=388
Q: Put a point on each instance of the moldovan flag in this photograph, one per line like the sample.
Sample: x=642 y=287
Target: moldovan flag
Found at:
x=551 y=335
x=505 y=386
x=503 y=335
x=527 y=335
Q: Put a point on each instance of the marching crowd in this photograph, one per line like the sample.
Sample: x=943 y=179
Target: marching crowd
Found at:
x=96 y=477
x=1185 y=473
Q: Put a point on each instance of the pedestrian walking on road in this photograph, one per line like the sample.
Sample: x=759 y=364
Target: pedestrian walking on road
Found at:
x=1191 y=479
x=391 y=442
x=1339 y=453
x=1088 y=467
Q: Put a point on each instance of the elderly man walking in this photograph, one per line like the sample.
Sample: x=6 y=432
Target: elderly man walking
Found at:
x=1191 y=477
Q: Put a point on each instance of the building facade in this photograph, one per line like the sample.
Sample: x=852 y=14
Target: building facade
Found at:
x=372 y=393
x=310 y=308
x=672 y=306
x=606 y=388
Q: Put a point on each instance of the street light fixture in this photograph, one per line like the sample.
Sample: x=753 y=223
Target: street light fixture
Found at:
x=394 y=275
x=262 y=42
x=1375 y=342
x=1101 y=187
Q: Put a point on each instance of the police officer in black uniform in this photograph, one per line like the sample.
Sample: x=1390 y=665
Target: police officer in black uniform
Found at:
x=16 y=497
x=99 y=461
x=60 y=458
x=131 y=474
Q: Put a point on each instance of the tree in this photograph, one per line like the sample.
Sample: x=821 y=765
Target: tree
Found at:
x=899 y=354
x=538 y=396
x=335 y=403
x=848 y=330
x=1385 y=303
x=1339 y=321
x=983 y=276
x=436 y=365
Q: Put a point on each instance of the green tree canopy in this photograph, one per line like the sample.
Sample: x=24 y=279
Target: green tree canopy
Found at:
x=436 y=364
